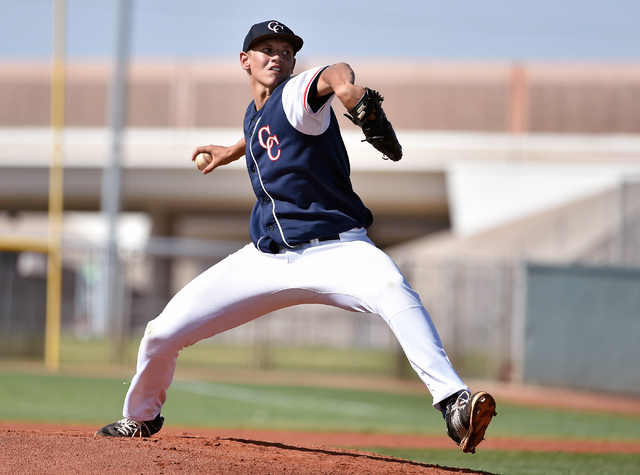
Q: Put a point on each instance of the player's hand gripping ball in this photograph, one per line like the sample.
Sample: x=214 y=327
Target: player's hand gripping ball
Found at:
x=203 y=160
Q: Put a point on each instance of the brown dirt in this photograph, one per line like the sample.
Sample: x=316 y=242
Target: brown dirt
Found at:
x=66 y=452
x=346 y=439
x=73 y=449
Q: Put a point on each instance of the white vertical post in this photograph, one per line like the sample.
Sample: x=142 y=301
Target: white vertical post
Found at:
x=112 y=177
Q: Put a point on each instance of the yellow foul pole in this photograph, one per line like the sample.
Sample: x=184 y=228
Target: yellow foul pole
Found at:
x=54 y=268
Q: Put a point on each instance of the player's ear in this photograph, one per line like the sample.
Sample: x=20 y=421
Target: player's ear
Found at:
x=245 y=61
x=293 y=66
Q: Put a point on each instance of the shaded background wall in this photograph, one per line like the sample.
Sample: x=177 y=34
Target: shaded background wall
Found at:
x=582 y=327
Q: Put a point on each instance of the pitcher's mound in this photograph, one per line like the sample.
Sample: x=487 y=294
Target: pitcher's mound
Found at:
x=66 y=452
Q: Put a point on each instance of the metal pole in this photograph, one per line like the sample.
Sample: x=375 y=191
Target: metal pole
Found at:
x=111 y=182
x=622 y=223
x=54 y=265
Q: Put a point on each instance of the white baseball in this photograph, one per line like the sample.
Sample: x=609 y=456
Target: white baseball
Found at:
x=202 y=160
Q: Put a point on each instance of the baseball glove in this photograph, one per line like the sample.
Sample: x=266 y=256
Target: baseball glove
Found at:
x=379 y=131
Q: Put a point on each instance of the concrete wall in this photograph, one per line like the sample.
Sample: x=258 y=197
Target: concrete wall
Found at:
x=582 y=327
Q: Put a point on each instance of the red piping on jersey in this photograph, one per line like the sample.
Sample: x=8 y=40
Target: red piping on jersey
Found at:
x=306 y=94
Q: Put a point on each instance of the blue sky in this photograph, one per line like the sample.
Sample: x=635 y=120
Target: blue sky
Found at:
x=343 y=29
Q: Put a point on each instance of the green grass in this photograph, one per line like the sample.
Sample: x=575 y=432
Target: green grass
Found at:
x=206 y=354
x=302 y=408
x=34 y=397
x=59 y=398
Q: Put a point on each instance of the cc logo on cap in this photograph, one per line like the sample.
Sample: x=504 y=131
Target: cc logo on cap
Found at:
x=275 y=27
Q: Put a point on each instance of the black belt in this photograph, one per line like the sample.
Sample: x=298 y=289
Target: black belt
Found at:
x=333 y=237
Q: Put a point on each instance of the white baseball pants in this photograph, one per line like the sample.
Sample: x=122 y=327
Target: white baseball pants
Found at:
x=351 y=274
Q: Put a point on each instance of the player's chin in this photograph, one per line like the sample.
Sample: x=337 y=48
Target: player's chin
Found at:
x=278 y=76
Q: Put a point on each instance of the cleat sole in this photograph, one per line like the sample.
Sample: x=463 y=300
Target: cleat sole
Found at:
x=483 y=409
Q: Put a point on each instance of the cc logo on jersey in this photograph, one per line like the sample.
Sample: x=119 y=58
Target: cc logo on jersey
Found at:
x=269 y=143
x=275 y=27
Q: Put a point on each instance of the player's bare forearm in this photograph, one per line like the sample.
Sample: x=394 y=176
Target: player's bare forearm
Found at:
x=340 y=79
x=220 y=155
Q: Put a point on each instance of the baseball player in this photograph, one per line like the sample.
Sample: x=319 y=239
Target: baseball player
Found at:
x=309 y=239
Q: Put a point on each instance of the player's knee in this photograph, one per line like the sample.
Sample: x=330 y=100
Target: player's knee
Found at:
x=393 y=294
x=159 y=343
x=392 y=283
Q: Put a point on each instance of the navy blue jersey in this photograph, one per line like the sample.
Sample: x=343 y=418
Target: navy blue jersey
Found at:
x=299 y=169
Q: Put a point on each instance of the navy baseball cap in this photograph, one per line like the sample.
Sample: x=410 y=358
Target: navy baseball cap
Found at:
x=271 y=29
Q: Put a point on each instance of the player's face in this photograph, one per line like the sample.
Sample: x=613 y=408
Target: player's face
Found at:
x=270 y=62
